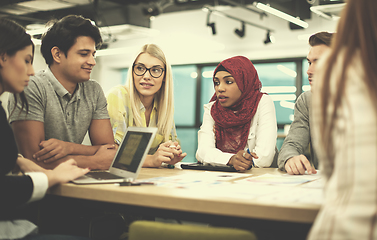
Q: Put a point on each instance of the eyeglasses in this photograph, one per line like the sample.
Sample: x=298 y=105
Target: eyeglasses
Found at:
x=140 y=70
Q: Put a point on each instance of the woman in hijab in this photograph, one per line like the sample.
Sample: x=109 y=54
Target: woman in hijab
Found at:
x=239 y=124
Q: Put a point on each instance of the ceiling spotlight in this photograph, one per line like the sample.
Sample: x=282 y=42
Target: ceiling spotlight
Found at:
x=152 y=10
x=211 y=24
x=269 y=38
x=241 y=33
x=213 y=28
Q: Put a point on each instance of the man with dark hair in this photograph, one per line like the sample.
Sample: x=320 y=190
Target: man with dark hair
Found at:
x=320 y=38
x=64 y=34
x=64 y=104
x=291 y=156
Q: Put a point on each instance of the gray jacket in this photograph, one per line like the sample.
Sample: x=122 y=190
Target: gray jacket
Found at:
x=298 y=137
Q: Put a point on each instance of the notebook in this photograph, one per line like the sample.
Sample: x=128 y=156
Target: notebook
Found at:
x=128 y=159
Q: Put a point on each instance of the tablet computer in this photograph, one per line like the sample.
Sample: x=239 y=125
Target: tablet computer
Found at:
x=209 y=167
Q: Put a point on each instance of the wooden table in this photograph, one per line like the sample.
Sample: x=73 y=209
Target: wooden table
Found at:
x=185 y=200
x=186 y=204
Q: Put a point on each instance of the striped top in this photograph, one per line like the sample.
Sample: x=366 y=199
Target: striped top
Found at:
x=350 y=204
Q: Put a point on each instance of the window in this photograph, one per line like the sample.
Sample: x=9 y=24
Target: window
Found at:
x=207 y=89
x=279 y=80
x=185 y=78
x=305 y=80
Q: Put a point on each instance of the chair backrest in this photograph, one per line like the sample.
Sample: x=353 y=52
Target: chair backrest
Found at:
x=148 y=230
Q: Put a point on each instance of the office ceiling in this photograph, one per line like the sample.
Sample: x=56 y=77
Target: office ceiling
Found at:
x=133 y=12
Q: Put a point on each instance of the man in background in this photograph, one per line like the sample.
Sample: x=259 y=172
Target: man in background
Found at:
x=291 y=156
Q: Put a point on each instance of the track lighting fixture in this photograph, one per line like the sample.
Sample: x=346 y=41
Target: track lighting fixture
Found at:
x=241 y=33
x=269 y=38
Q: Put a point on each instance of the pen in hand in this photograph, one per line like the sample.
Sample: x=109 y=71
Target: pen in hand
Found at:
x=252 y=155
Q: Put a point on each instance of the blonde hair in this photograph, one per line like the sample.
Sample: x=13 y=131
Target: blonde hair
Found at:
x=164 y=97
x=357 y=32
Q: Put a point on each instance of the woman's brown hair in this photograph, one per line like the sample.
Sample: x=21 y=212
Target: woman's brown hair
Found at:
x=12 y=39
x=356 y=32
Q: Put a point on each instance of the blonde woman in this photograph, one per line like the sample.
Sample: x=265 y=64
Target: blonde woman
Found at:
x=147 y=101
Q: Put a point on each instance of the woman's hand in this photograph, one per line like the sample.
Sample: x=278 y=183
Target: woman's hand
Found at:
x=168 y=152
x=242 y=160
x=27 y=165
x=178 y=155
x=65 y=172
